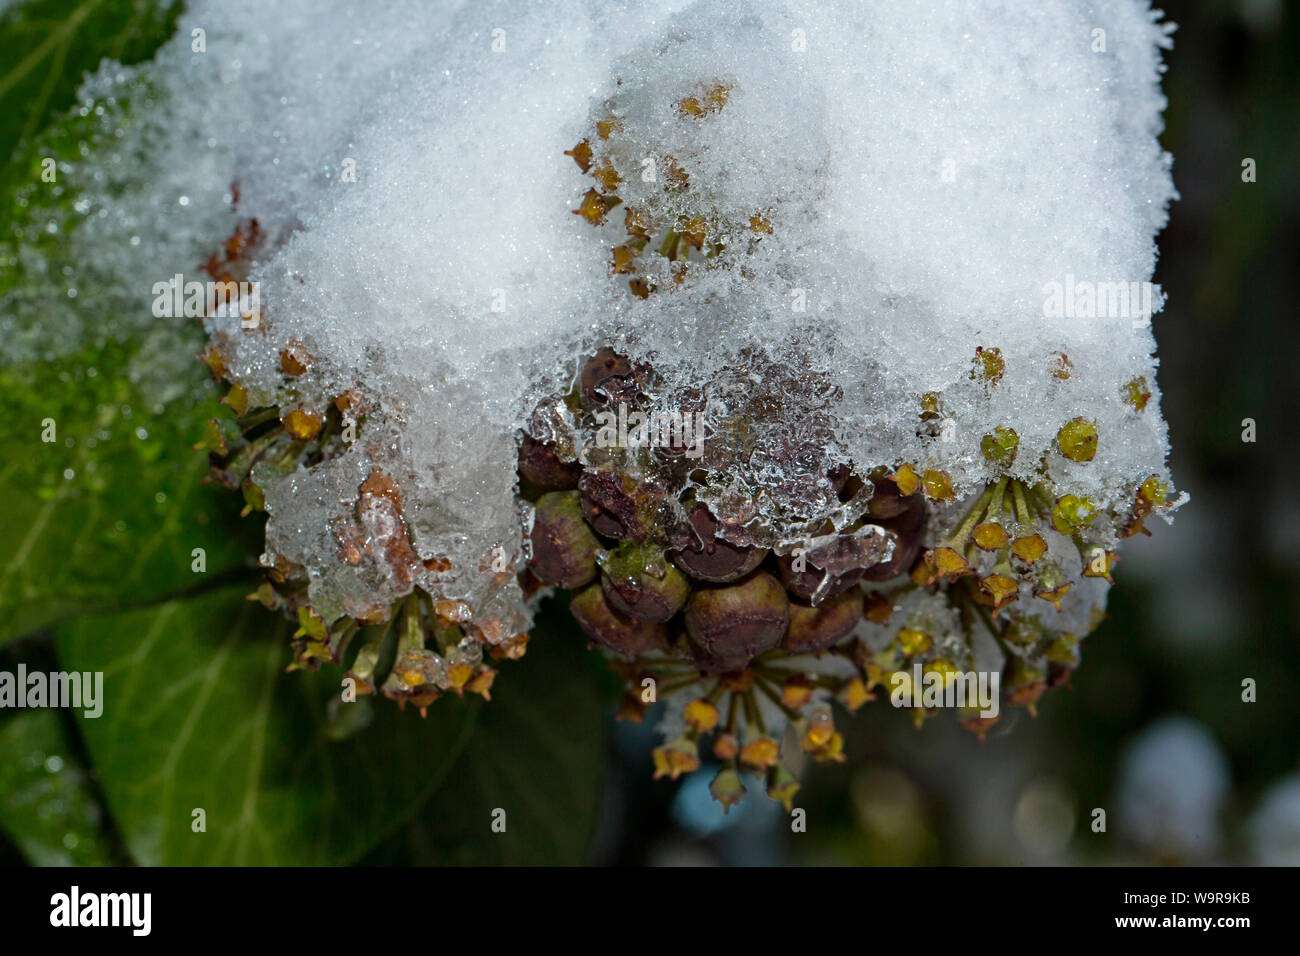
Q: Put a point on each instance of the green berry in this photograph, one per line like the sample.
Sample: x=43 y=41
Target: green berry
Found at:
x=1136 y=393
x=1000 y=447
x=1073 y=513
x=1078 y=440
x=988 y=366
x=640 y=582
x=564 y=548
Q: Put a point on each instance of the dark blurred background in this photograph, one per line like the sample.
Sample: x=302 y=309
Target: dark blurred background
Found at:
x=1155 y=731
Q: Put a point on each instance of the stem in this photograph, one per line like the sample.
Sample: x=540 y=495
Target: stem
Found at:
x=669 y=246
x=1023 y=514
x=411 y=635
x=774 y=698
x=292 y=452
x=258 y=417
x=339 y=642
x=753 y=714
x=669 y=687
x=995 y=510
x=819 y=680
x=243 y=460
x=963 y=530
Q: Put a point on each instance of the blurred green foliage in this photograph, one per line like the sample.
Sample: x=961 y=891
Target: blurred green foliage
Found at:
x=48 y=46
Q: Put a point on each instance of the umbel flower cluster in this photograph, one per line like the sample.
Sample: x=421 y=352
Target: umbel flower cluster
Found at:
x=762 y=533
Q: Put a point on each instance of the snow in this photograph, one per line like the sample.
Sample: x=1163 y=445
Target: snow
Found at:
x=927 y=172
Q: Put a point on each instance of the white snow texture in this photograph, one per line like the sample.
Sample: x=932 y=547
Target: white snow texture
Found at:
x=929 y=171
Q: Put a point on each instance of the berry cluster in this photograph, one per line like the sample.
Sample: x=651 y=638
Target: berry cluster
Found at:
x=398 y=632
x=693 y=601
x=742 y=571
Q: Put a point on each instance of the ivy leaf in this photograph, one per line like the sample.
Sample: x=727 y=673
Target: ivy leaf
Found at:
x=199 y=714
x=48 y=808
x=112 y=511
x=534 y=771
x=49 y=45
x=103 y=505
x=536 y=767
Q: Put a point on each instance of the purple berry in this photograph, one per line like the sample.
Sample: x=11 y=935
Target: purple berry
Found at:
x=608 y=378
x=706 y=557
x=740 y=621
x=641 y=583
x=540 y=464
x=814 y=629
x=615 y=631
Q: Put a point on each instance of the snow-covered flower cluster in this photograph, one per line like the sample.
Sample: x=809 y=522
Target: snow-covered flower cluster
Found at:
x=897 y=258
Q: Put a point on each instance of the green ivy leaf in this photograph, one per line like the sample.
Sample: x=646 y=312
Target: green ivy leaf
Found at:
x=103 y=501
x=200 y=713
x=538 y=756
x=113 y=512
x=49 y=45
x=48 y=808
